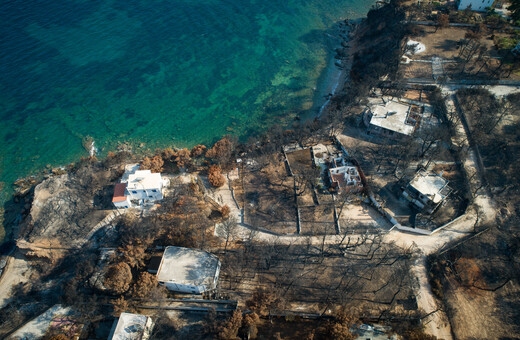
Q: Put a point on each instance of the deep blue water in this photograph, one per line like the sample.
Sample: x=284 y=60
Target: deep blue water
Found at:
x=155 y=72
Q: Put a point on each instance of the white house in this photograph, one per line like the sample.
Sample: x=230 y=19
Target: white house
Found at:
x=138 y=187
x=476 y=5
x=131 y=327
x=392 y=119
x=187 y=270
x=427 y=190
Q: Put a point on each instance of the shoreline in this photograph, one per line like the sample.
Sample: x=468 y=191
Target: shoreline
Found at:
x=333 y=81
x=337 y=77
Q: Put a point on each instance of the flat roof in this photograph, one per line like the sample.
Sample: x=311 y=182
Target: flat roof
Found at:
x=432 y=185
x=392 y=116
x=129 y=327
x=37 y=327
x=119 y=193
x=144 y=179
x=187 y=266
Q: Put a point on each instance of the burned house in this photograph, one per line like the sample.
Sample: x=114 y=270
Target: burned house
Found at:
x=427 y=191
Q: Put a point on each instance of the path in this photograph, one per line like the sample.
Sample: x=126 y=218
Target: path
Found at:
x=437 y=69
x=17 y=271
x=462 y=82
x=192 y=305
x=452 y=24
x=436 y=322
x=103 y=223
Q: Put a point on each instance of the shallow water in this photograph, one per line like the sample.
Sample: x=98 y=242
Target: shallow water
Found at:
x=159 y=72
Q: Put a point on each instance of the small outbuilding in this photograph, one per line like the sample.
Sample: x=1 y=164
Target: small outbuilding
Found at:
x=427 y=190
x=131 y=326
x=190 y=271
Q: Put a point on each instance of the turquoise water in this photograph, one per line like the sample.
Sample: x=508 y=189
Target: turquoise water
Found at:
x=156 y=72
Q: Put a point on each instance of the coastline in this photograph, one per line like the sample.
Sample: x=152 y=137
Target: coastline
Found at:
x=338 y=70
x=333 y=81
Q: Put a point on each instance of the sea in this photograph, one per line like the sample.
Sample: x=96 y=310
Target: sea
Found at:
x=155 y=73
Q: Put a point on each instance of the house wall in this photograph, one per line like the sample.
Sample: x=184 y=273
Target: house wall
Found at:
x=423 y=203
x=367 y=115
x=476 y=5
x=189 y=289
x=123 y=204
x=217 y=273
x=380 y=131
x=147 y=194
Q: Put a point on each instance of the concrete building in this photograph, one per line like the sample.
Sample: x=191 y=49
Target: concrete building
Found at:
x=427 y=190
x=393 y=119
x=190 y=271
x=138 y=187
x=476 y=5
x=131 y=327
x=344 y=176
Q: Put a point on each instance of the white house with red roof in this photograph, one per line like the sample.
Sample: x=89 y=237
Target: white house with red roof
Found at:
x=138 y=187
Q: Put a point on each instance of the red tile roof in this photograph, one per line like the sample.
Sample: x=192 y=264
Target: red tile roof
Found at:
x=119 y=193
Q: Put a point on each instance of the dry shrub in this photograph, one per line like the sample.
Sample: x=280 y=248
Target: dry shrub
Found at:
x=198 y=150
x=263 y=301
x=120 y=305
x=59 y=337
x=417 y=333
x=225 y=211
x=468 y=271
x=145 y=286
x=182 y=158
x=215 y=176
x=221 y=151
x=133 y=254
x=229 y=330
x=250 y=325
x=155 y=164
x=118 y=278
x=340 y=327
x=168 y=154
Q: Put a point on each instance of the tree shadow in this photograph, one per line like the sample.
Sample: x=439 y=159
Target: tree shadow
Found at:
x=103 y=197
x=14 y=212
x=447 y=45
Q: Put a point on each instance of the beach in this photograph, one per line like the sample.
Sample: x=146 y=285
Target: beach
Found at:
x=337 y=76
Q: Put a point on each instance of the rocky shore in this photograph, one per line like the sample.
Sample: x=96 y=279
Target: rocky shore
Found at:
x=339 y=67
